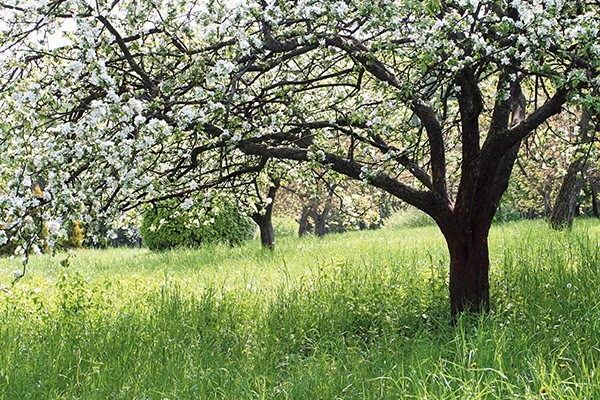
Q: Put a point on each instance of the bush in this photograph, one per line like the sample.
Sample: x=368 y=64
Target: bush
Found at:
x=167 y=226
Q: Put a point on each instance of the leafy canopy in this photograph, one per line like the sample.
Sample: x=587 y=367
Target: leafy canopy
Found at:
x=107 y=105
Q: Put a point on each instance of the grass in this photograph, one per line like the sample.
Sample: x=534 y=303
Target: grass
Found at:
x=362 y=315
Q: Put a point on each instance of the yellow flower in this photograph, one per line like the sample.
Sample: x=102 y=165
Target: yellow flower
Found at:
x=473 y=364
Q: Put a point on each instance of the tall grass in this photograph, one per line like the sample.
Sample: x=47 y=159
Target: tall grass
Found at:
x=362 y=315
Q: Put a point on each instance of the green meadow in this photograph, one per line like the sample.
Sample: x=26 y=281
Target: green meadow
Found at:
x=361 y=315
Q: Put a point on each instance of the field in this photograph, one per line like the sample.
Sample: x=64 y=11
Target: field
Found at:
x=362 y=315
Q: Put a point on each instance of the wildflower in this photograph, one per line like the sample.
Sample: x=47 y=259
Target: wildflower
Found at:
x=18 y=274
x=473 y=364
x=543 y=390
x=569 y=286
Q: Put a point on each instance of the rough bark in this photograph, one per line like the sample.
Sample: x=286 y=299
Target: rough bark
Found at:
x=264 y=219
x=303 y=221
x=482 y=184
x=563 y=212
x=265 y=226
x=469 y=269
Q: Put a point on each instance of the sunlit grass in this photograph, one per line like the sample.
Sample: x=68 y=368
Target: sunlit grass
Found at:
x=362 y=315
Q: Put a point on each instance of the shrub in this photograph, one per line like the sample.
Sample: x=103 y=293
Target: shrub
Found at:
x=168 y=225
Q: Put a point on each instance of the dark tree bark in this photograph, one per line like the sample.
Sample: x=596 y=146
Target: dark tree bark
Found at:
x=469 y=269
x=565 y=205
x=563 y=212
x=264 y=219
x=304 y=222
x=320 y=219
x=265 y=226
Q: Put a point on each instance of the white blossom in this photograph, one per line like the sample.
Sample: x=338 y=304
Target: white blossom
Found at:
x=187 y=204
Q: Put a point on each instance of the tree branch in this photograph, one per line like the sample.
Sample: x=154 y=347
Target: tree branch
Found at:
x=436 y=145
x=431 y=203
x=128 y=56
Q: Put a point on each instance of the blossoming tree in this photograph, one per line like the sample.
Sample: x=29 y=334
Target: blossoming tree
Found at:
x=108 y=104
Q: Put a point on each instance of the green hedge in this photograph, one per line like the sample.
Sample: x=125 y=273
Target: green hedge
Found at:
x=168 y=225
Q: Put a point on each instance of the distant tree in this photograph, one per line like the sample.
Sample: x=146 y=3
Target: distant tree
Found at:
x=328 y=202
x=563 y=212
x=150 y=98
x=550 y=160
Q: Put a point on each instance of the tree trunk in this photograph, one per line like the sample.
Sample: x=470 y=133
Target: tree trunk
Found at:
x=563 y=212
x=480 y=190
x=320 y=224
x=303 y=223
x=320 y=220
x=546 y=196
x=469 y=269
x=265 y=226
x=264 y=220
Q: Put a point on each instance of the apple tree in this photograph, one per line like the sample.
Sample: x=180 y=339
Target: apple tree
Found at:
x=111 y=104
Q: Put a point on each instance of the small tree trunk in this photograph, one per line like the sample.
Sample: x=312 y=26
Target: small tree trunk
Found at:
x=265 y=220
x=563 y=212
x=303 y=222
x=265 y=226
x=547 y=202
x=320 y=220
x=320 y=225
x=594 y=190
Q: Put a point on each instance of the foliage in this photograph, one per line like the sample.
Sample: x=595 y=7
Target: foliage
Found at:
x=353 y=316
x=285 y=227
x=408 y=217
x=75 y=235
x=167 y=225
x=39 y=242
